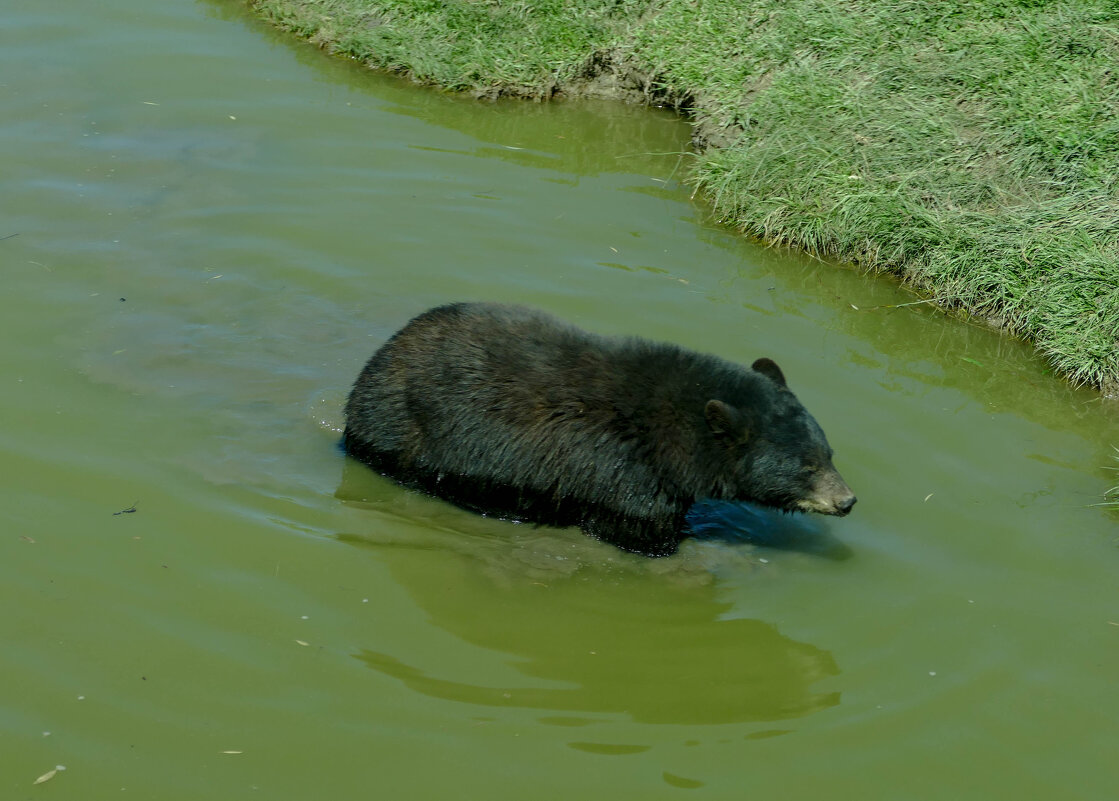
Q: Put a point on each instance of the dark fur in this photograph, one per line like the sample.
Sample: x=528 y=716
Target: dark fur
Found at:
x=507 y=411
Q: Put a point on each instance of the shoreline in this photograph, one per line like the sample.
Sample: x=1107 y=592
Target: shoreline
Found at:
x=971 y=150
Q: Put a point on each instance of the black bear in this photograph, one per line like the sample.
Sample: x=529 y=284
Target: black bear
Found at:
x=505 y=410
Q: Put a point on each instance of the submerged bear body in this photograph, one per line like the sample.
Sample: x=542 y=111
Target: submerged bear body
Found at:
x=505 y=410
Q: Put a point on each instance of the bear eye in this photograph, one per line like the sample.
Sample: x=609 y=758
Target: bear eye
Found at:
x=811 y=468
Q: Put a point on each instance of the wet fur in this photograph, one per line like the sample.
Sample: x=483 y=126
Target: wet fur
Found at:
x=507 y=411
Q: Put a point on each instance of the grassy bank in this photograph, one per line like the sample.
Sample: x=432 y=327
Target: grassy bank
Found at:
x=970 y=147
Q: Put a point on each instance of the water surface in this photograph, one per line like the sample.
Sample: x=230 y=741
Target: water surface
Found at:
x=217 y=225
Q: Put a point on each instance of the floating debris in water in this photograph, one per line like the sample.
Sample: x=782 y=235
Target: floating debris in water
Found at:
x=50 y=774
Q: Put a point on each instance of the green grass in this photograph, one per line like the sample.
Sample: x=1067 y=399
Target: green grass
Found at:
x=490 y=48
x=971 y=148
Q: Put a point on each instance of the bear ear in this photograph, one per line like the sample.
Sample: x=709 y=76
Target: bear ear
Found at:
x=770 y=370
x=726 y=422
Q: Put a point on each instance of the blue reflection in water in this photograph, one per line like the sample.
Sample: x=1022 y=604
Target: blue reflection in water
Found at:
x=734 y=522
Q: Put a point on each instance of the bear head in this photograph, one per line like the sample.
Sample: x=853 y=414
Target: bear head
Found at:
x=777 y=454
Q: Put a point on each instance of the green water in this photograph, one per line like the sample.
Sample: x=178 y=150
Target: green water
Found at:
x=217 y=226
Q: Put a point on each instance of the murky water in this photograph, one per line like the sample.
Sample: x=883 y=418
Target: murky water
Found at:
x=215 y=228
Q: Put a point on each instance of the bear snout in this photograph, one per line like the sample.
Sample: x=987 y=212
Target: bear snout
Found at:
x=843 y=506
x=830 y=496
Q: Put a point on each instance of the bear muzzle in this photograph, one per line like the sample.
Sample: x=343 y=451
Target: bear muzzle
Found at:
x=831 y=496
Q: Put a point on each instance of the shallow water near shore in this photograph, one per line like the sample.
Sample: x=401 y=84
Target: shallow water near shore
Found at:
x=215 y=226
